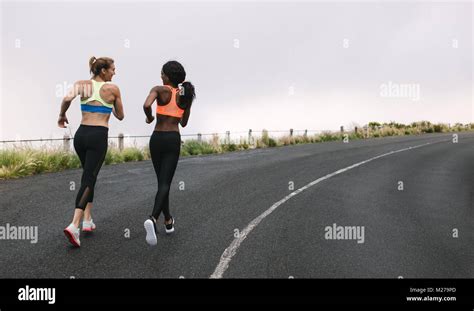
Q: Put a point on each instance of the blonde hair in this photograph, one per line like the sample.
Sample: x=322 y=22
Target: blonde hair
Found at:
x=97 y=64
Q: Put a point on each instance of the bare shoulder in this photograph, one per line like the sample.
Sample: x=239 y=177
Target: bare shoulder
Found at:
x=112 y=87
x=159 y=89
x=164 y=94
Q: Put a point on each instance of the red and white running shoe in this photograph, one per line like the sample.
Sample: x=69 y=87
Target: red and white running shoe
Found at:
x=88 y=226
x=72 y=233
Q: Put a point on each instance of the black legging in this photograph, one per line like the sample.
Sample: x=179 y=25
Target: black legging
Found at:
x=90 y=143
x=164 y=149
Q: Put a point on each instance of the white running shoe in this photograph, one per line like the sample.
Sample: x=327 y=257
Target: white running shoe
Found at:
x=170 y=227
x=88 y=226
x=72 y=233
x=150 y=228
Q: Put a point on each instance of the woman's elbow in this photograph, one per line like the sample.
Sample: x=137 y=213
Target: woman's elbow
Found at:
x=147 y=107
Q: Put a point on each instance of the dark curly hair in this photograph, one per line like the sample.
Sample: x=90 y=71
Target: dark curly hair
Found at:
x=176 y=74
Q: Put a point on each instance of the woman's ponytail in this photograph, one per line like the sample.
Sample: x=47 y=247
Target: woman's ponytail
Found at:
x=187 y=94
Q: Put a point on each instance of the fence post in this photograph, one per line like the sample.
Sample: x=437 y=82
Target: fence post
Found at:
x=199 y=137
x=305 y=133
x=342 y=129
x=250 y=136
x=66 y=143
x=291 y=132
x=355 y=130
x=227 y=137
x=120 y=141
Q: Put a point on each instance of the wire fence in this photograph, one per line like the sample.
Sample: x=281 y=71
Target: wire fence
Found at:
x=124 y=140
x=249 y=137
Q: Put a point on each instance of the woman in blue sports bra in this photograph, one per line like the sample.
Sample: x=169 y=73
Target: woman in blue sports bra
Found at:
x=99 y=98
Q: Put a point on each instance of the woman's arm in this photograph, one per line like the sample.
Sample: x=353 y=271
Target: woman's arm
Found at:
x=66 y=103
x=185 y=118
x=117 y=110
x=149 y=102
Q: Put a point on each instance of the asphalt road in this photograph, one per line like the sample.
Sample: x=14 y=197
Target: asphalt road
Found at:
x=425 y=230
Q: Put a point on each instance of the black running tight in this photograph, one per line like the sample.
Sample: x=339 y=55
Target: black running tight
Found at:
x=90 y=143
x=164 y=149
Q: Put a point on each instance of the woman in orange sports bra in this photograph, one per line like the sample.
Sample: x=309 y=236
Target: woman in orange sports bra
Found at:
x=174 y=101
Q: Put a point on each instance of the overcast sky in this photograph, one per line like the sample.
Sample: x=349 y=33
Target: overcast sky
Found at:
x=273 y=65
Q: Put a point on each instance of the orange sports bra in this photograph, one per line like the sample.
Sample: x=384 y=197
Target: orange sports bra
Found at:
x=171 y=108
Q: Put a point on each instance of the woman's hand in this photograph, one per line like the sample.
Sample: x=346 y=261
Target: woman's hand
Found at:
x=148 y=120
x=62 y=120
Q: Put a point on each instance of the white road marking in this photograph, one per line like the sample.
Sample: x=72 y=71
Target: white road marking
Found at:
x=230 y=251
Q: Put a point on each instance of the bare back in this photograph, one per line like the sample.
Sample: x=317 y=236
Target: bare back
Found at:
x=166 y=123
x=107 y=93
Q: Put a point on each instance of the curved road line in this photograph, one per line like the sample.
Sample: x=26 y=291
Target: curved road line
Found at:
x=230 y=251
